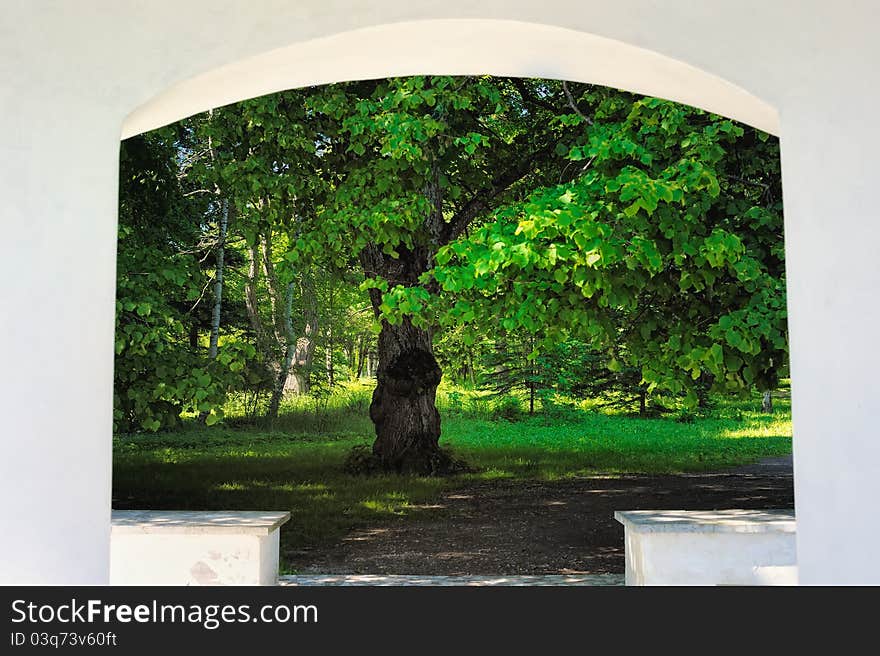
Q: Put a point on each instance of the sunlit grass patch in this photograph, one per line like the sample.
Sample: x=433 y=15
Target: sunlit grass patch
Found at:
x=245 y=467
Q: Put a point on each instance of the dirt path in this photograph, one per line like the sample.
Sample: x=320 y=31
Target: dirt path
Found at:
x=525 y=528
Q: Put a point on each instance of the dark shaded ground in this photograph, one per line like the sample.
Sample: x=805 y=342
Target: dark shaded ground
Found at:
x=503 y=527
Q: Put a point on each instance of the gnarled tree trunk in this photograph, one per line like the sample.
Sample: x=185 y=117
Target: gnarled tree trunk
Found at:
x=403 y=408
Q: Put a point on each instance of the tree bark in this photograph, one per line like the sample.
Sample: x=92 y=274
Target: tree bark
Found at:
x=194 y=338
x=286 y=357
x=250 y=298
x=403 y=408
x=328 y=359
x=277 y=342
x=767 y=402
x=298 y=378
x=361 y=355
x=218 y=281
x=328 y=351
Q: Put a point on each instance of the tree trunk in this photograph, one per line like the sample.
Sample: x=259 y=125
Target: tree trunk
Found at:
x=643 y=402
x=361 y=356
x=278 y=385
x=298 y=378
x=194 y=337
x=250 y=298
x=403 y=408
x=287 y=355
x=348 y=353
x=328 y=362
x=218 y=281
x=328 y=351
x=767 y=402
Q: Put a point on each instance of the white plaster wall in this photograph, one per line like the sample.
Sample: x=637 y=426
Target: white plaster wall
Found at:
x=57 y=286
x=831 y=181
x=76 y=75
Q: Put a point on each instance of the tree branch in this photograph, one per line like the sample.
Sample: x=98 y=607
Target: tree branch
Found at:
x=529 y=98
x=573 y=104
x=479 y=203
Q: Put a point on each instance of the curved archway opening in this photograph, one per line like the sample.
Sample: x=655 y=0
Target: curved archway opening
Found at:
x=176 y=98
x=455 y=47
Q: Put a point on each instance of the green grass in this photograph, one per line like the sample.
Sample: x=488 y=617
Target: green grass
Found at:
x=297 y=466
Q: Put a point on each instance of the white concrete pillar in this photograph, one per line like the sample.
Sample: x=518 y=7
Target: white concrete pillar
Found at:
x=831 y=181
x=58 y=178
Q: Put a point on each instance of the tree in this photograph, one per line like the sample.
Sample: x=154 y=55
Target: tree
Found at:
x=635 y=234
x=512 y=365
x=621 y=387
x=415 y=163
x=158 y=371
x=665 y=251
x=264 y=158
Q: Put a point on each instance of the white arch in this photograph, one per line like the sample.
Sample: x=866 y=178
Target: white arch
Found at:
x=71 y=72
x=454 y=47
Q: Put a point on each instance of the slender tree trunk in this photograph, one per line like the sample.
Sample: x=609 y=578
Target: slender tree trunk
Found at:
x=282 y=326
x=328 y=360
x=218 y=281
x=298 y=379
x=767 y=402
x=328 y=351
x=278 y=386
x=287 y=354
x=194 y=337
x=250 y=297
x=348 y=353
x=643 y=402
x=274 y=343
x=361 y=355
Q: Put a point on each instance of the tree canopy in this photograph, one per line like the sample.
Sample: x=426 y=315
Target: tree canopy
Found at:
x=370 y=222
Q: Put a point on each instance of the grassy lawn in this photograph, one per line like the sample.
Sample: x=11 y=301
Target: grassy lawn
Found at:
x=298 y=465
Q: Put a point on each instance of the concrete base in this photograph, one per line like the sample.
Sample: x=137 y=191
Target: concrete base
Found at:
x=194 y=548
x=727 y=547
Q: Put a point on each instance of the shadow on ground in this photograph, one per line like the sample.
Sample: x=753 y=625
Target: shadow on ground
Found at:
x=534 y=528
